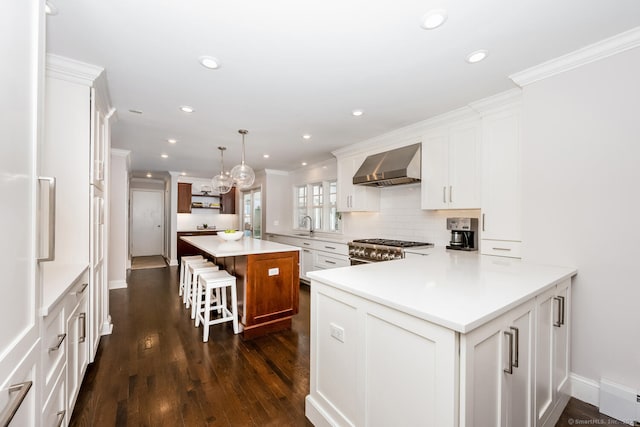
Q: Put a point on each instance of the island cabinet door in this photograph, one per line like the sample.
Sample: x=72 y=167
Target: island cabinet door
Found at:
x=496 y=371
x=272 y=287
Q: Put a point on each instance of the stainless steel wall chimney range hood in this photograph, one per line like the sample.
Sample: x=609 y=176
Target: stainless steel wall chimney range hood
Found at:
x=399 y=166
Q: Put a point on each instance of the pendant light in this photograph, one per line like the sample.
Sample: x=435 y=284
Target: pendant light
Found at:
x=242 y=174
x=222 y=182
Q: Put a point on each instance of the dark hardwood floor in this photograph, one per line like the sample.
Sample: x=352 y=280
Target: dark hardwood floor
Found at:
x=154 y=370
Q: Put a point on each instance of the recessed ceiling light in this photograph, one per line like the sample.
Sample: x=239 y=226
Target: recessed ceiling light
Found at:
x=209 y=62
x=433 y=19
x=477 y=56
x=135 y=111
x=304 y=163
x=172 y=140
x=357 y=113
x=266 y=156
x=183 y=174
x=149 y=175
x=306 y=136
x=164 y=156
x=50 y=8
x=186 y=109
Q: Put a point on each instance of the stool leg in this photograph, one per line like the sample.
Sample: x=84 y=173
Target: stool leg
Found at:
x=218 y=290
x=187 y=288
x=234 y=308
x=193 y=293
x=206 y=315
x=199 y=302
x=181 y=282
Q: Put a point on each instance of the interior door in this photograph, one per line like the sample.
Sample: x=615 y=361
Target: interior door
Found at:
x=147 y=222
x=252 y=212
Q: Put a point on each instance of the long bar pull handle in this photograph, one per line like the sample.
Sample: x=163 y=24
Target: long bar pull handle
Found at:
x=83 y=318
x=56 y=347
x=60 y=416
x=558 y=323
x=329 y=262
x=509 y=370
x=516 y=339
x=20 y=391
x=444 y=194
x=451 y=194
x=561 y=319
x=51 y=250
x=482 y=222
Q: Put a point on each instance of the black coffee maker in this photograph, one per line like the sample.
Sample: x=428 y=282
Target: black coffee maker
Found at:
x=464 y=234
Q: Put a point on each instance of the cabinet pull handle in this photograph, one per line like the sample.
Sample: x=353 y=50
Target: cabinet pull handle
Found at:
x=444 y=194
x=558 y=323
x=329 y=247
x=451 y=194
x=306 y=250
x=561 y=310
x=83 y=318
x=509 y=370
x=306 y=243
x=482 y=222
x=329 y=262
x=501 y=249
x=51 y=240
x=60 y=416
x=82 y=289
x=516 y=339
x=22 y=389
x=56 y=347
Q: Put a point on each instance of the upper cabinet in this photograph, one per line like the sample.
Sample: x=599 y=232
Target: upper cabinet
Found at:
x=501 y=183
x=184 y=197
x=188 y=200
x=354 y=198
x=228 y=202
x=451 y=167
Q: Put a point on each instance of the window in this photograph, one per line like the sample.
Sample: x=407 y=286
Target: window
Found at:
x=318 y=201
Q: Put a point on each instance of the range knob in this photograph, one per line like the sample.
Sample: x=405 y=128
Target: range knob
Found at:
x=385 y=256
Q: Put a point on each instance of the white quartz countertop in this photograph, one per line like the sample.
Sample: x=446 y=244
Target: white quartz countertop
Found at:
x=218 y=247
x=457 y=290
x=57 y=279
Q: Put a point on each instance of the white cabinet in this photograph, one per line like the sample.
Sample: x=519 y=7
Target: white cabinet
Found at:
x=497 y=370
x=306 y=262
x=77 y=344
x=354 y=198
x=552 y=353
x=21 y=86
x=451 y=167
x=501 y=183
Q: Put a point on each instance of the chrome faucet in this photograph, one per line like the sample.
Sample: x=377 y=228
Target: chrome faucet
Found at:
x=310 y=223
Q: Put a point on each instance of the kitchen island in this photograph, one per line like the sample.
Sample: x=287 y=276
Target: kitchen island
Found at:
x=447 y=339
x=267 y=279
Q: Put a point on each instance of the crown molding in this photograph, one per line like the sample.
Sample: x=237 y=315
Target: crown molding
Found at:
x=72 y=70
x=503 y=100
x=591 y=53
x=275 y=172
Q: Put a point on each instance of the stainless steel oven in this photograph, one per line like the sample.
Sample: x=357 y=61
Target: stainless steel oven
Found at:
x=365 y=251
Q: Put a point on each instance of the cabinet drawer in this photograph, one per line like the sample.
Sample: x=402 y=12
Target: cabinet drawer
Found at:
x=335 y=248
x=505 y=248
x=54 y=345
x=54 y=412
x=323 y=261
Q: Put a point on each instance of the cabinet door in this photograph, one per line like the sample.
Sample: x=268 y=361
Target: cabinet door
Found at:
x=97 y=280
x=20 y=85
x=77 y=350
x=306 y=263
x=561 y=353
x=354 y=198
x=228 y=202
x=501 y=176
x=345 y=185
x=435 y=161
x=464 y=167
x=184 y=197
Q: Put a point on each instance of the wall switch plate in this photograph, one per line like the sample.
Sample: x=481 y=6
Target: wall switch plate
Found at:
x=276 y=222
x=274 y=271
x=337 y=332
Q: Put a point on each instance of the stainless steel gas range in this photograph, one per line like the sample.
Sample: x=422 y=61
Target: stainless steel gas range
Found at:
x=364 y=251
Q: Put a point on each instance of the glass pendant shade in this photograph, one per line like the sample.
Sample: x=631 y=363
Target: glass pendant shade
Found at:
x=242 y=174
x=222 y=182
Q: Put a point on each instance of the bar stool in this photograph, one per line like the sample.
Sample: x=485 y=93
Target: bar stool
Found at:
x=183 y=263
x=218 y=281
x=191 y=279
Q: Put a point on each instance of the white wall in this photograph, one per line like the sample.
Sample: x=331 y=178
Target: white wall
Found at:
x=118 y=219
x=581 y=171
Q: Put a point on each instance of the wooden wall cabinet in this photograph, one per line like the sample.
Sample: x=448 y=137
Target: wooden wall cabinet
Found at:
x=184 y=197
x=228 y=202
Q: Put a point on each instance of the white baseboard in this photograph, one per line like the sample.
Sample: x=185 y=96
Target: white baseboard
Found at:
x=316 y=414
x=173 y=263
x=107 y=327
x=585 y=389
x=117 y=284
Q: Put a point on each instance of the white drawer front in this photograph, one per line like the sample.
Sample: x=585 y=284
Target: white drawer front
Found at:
x=55 y=407
x=503 y=248
x=323 y=261
x=334 y=248
x=54 y=344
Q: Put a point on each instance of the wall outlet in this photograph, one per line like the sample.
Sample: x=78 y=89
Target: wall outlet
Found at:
x=276 y=222
x=274 y=271
x=337 y=332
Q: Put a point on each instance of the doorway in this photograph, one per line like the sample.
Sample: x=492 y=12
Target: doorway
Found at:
x=252 y=212
x=147 y=222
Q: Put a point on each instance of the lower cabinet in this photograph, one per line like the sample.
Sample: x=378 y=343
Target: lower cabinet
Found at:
x=65 y=353
x=511 y=371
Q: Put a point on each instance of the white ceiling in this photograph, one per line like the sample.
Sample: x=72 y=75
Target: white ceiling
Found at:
x=291 y=67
